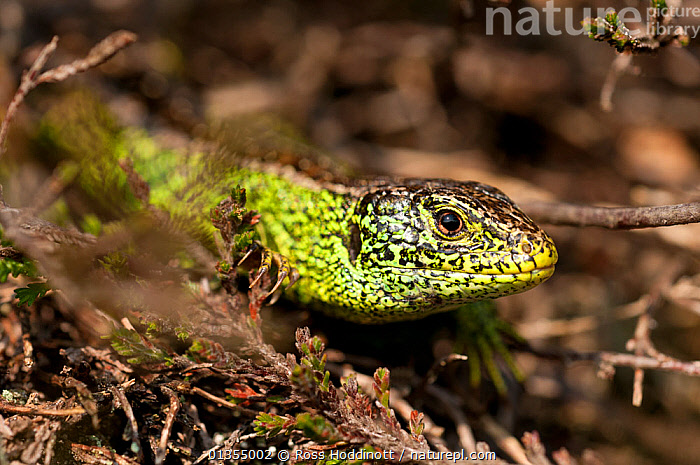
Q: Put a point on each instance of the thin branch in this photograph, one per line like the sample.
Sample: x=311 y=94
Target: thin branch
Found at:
x=620 y=64
x=616 y=359
x=173 y=408
x=120 y=398
x=29 y=81
x=100 y=53
x=440 y=364
x=24 y=410
x=641 y=342
x=549 y=328
x=615 y=217
x=504 y=439
x=217 y=400
x=651 y=363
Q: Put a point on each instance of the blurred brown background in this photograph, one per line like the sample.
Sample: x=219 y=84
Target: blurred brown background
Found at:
x=417 y=88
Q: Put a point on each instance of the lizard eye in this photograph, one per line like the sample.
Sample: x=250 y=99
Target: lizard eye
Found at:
x=449 y=223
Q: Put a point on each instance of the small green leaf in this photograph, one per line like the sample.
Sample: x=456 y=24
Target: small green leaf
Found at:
x=266 y=424
x=28 y=295
x=15 y=268
x=129 y=343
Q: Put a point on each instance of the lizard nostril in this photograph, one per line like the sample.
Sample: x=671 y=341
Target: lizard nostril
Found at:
x=527 y=248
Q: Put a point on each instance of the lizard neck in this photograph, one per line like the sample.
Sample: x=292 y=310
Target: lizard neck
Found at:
x=311 y=223
x=317 y=225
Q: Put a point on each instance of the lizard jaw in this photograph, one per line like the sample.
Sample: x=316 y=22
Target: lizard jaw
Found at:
x=460 y=287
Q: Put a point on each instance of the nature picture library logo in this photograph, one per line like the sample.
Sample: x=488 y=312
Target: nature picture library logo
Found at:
x=654 y=21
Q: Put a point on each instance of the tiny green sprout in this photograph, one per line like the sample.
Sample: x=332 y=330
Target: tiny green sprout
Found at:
x=325 y=384
x=182 y=333
x=317 y=344
x=317 y=428
x=238 y=195
x=269 y=425
x=152 y=330
x=381 y=386
x=303 y=377
x=196 y=346
x=611 y=29
x=612 y=19
x=251 y=323
x=223 y=267
x=305 y=350
x=415 y=424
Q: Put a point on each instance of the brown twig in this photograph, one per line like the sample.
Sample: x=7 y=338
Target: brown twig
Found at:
x=615 y=217
x=645 y=356
x=440 y=364
x=23 y=410
x=217 y=400
x=84 y=397
x=620 y=64
x=609 y=360
x=29 y=82
x=641 y=342
x=119 y=396
x=646 y=363
x=103 y=51
x=173 y=408
x=193 y=413
x=504 y=439
x=100 y=53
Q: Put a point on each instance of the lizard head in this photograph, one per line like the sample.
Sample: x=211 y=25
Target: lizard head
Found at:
x=436 y=244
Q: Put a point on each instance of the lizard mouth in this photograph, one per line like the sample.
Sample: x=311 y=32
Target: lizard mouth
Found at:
x=465 y=286
x=541 y=273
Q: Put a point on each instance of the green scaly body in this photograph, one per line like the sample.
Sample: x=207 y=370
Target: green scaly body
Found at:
x=368 y=250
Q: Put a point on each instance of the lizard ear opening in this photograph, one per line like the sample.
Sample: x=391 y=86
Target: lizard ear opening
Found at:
x=354 y=242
